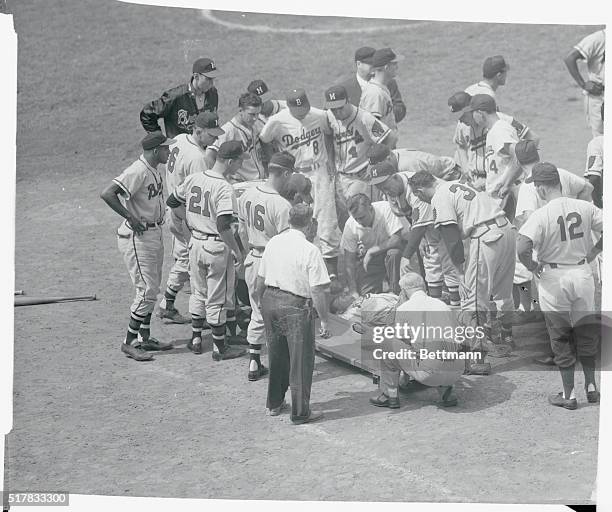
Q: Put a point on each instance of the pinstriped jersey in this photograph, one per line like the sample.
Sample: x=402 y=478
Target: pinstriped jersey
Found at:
x=143 y=188
x=186 y=157
x=206 y=195
x=419 y=212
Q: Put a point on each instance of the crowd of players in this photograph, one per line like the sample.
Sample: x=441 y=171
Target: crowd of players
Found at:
x=381 y=210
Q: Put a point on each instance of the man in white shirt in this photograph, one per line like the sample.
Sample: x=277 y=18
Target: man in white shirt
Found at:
x=292 y=282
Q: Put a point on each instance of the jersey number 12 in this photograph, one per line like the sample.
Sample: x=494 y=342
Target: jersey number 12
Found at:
x=570 y=224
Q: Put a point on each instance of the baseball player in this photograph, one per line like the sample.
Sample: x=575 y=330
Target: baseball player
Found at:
x=305 y=133
x=186 y=157
x=210 y=204
x=262 y=214
x=179 y=106
x=461 y=212
x=375 y=95
x=594 y=166
x=269 y=106
x=560 y=232
x=437 y=264
x=494 y=74
x=354 y=131
x=140 y=239
x=244 y=127
x=592 y=49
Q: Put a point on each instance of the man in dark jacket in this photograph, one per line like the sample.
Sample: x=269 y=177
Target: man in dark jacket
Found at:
x=179 y=106
x=354 y=82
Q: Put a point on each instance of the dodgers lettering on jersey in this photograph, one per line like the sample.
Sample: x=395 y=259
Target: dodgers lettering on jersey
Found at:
x=252 y=167
x=303 y=138
x=561 y=230
x=186 y=157
x=419 y=212
x=206 y=196
x=353 y=137
x=143 y=188
x=457 y=203
x=411 y=160
x=263 y=213
x=595 y=155
x=376 y=99
x=497 y=159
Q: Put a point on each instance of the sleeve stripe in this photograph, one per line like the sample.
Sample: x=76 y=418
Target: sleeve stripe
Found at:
x=445 y=222
x=123 y=187
x=226 y=212
x=423 y=223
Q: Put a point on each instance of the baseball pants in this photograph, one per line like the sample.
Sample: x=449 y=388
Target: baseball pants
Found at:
x=592 y=110
x=144 y=257
x=436 y=261
x=256 y=330
x=346 y=187
x=213 y=278
x=567 y=299
x=328 y=233
x=290 y=329
x=179 y=272
x=383 y=265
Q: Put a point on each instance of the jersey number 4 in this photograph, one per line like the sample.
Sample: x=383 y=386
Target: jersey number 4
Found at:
x=570 y=225
x=196 y=198
x=256 y=220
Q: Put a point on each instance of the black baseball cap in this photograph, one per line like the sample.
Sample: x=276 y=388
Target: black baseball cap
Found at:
x=258 y=87
x=380 y=172
x=283 y=160
x=297 y=101
x=458 y=101
x=153 y=140
x=482 y=102
x=526 y=152
x=493 y=65
x=210 y=122
x=205 y=66
x=544 y=172
x=336 y=97
x=377 y=153
x=365 y=54
x=385 y=56
x=298 y=184
x=231 y=150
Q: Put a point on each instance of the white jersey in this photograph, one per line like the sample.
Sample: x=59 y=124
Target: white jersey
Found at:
x=593 y=50
x=497 y=156
x=358 y=239
x=353 y=137
x=529 y=200
x=186 y=157
x=262 y=213
x=456 y=203
x=481 y=87
x=561 y=230
x=143 y=188
x=376 y=99
x=206 y=196
x=408 y=205
x=303 y=138
x=411 y=160
x=595 y=155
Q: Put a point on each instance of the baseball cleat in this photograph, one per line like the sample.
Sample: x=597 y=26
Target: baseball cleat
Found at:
x=559 y=400
x=592 y=396
x=172 y=316
x=228 y=353
x=196 y=348
x=238 y=339
x=135 y=353
x=383 y=400
x=153 y=344
x=258 y=374
x=448 y=398
x=277 y=410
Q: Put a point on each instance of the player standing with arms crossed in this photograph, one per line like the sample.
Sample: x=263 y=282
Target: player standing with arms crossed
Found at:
x=262 y=214
x=210 y=209
x=560 y=232
x=140 y=239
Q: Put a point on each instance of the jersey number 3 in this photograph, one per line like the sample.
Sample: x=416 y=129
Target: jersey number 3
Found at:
x=469 y=193
x=570 y=225
x=196 y=198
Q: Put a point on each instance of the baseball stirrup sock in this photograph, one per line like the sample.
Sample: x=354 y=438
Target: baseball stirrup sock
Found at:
x=254 y=356
x=435 y=289
x=133 y=328
x=567 y=377
x=218 y=336
x=170 y=296
x=453 y=292
x=145 y=328
x=231 y=322
x=197 y=323
x=588 y=368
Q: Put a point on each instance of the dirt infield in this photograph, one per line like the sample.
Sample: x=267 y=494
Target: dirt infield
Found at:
x=88 y=420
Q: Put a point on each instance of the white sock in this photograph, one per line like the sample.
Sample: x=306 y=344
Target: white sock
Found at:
x=196 y=341
x=591 y=387
x=392 y=392
x=253 y=365
x=572 y=395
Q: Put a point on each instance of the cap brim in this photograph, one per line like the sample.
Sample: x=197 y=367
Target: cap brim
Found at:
x=168 y=142
x=399 y=58
x=215 y=131
x=210 y=75
x=335 y=103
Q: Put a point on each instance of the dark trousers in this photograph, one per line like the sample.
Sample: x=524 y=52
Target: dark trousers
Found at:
x=289 y=324
x=383 y=265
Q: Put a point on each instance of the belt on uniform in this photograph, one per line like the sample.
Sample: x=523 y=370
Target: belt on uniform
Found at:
x=276 y=288
x=557 y=265
x=206 y=236
x=484 y=227
x=256 y=248
x=151 y=225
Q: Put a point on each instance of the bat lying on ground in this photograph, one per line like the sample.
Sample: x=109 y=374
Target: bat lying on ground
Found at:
x=21 y=300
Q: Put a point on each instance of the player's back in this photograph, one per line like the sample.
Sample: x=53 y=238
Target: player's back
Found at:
x=264 y=213
x=412 y=160
x=185 y=158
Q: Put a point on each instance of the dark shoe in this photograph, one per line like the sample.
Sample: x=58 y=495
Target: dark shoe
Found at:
x=172 y=316
x=239 y=339
x=479 y=369
x=545 y=360
x=277 y=410
x=592 y=396
x=196 y=348
x=313 y=416
x=258 y=374
x=135 y=353
x=153 y=344
x=383 y=400
x=228 y=353
x=448 y=399
x=559 y=401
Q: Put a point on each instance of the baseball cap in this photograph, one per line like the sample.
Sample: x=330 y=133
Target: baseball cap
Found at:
x=544 y=172
x=283 y=160
x=385 y=56
x=155 y=139
x=298 y=184
x=365 y=54
x=258 y=87
x=458 y=101
x=482 y=102
x=336 y=97
x=205 y=66
x=210 y=122
x=377 y=153
x=231 y=150
x=380 y=172
x=526 y=152
x=297 y=101
x=493 y=65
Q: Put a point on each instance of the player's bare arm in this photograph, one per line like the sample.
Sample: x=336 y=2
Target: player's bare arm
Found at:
x=586 y=194
x=594 y=252
x=524 y=251
x=394 y=242
x=350 y=260
x=319 y=301
x=454 y=244
x=224 y=226
x=513 y=171
x=110 y=195
x=571 y=62
x=415 y=236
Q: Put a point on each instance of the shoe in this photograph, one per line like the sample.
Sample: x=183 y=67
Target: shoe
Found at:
x=546 y=360
x=448 y=399
x=592 y=396
x=313 y=416
x=153 y=344
x=479 y=369
x=228 y=353
x=277 y=410
x=135 y=353
x=258 y=374
x=196 y=348
x=383 y=400
x=559 y=401
x=239 y=339
x=172 y=316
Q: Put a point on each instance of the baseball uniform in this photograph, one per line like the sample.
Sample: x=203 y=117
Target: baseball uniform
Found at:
x=481 y=87
x=143 y=188
x=412 y=160
x=595 y=152
x=207 y=196
x=376 y=98
x=304 y=139
x=593 y=50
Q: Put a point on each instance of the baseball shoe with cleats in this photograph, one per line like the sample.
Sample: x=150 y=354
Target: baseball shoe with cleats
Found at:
x=592 y=396
x=228 y=353
x=135 y=352
x=383 y=400
x=153 y=344
x=258 y=374
x=559 y=400
x=172 y=316
x=196 y=348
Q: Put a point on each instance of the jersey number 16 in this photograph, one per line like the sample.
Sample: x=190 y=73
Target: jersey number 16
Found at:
x=255 y=220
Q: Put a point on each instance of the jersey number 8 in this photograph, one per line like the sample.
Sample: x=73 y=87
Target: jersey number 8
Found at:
x=172 y=159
